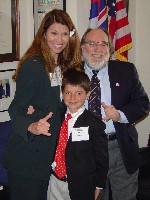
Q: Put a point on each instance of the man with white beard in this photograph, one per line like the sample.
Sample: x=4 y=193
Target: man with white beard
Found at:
x=123 y=102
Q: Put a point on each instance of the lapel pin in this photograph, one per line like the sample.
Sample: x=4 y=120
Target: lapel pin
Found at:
x=117 y=84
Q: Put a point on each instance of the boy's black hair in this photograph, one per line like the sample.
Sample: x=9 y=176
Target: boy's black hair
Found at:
x=76 y=78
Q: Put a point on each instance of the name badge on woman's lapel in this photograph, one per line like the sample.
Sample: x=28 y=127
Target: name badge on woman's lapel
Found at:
x=80 y=134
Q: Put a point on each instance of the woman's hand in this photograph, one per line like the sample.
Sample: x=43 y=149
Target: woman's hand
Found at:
x=41 y=127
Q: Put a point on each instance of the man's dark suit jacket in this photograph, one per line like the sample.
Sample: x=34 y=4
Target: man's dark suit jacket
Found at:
x=28 y=154
x=87 y=161
x=127 y=95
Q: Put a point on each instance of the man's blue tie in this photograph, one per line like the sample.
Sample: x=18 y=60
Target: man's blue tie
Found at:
x=94 y=102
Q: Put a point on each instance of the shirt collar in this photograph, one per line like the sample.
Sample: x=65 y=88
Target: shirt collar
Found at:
x=79 y=112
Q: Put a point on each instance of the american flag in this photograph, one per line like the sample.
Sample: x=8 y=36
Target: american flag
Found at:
x=112 y=15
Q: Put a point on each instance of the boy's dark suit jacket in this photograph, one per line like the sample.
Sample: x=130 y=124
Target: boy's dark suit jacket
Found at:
x=127 y=95
x=28 y=154
x=87 y=161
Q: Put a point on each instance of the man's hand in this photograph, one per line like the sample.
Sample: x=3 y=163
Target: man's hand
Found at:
x=41 y=127
x=111 y=113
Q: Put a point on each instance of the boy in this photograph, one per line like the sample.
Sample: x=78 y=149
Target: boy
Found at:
x=81 y=160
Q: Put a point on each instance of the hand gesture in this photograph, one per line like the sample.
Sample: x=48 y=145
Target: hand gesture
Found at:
x=111 y=113
x=41 y=127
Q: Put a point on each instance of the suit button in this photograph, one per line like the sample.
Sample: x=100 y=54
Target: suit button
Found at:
x=37 y=150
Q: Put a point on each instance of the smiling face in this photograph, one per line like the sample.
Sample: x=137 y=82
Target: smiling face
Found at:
x=74 y=97
x=57 y=37
x=95 y=49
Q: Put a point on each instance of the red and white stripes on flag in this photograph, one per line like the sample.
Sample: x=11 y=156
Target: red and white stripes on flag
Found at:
x=112 y=15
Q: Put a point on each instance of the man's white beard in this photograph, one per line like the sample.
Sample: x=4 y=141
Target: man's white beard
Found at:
x=95 y=65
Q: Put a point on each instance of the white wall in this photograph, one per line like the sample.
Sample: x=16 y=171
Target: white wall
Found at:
x=26 y=37
x=26 y=25
x=139 y=15
x=79 y=10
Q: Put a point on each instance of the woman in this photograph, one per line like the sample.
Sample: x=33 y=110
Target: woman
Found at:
x=29 y=155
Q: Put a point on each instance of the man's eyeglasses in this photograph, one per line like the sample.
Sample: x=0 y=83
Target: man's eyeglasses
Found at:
x=94 y=44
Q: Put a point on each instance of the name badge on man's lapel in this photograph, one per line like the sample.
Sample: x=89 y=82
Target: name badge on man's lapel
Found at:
x=80 y=134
